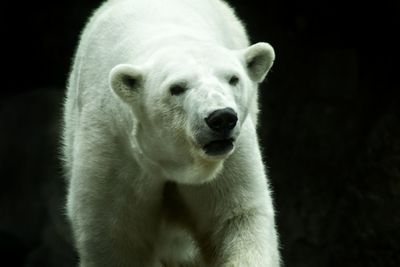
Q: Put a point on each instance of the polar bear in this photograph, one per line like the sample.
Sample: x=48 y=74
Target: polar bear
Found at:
x=159 y=141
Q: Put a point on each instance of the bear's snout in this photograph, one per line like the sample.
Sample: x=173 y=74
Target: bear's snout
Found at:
x=222 y=121
x=221 y=134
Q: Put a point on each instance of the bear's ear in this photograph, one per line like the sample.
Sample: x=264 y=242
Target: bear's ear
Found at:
x=126 y=81
x=258 y=59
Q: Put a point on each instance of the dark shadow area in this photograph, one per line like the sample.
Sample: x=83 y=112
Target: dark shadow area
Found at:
x=330 y=129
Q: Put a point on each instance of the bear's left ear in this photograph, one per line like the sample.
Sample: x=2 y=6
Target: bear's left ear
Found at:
x=258 y=59
x=126 y=81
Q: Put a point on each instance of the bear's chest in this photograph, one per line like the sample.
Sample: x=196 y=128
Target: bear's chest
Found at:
x=176 y=241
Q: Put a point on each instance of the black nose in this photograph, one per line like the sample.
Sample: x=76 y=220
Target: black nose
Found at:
x=222 y=120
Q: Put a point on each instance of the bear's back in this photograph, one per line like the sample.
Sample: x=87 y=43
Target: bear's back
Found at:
x=124 y=30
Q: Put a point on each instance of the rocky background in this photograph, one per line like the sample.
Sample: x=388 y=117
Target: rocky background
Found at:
x=330 y=128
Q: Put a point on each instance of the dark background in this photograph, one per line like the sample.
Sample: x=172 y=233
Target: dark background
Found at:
x=330 y=128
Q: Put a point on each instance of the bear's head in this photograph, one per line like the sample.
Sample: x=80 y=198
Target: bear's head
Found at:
x=190 y=103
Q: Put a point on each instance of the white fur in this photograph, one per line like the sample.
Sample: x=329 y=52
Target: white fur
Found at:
x=142 y=191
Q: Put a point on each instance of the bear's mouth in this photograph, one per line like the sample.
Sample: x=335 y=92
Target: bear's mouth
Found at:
x=218 y=147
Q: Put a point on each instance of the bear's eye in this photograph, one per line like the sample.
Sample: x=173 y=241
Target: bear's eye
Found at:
x=177 y=89
x=233 y=80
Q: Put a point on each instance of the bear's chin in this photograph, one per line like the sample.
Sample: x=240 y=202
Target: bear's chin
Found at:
x=199 y=172
x=199 y=167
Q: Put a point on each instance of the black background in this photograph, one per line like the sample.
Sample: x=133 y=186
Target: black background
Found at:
x=330 y=128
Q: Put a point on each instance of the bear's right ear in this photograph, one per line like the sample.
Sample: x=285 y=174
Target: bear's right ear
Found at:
x=258 y=59
x=126 y=81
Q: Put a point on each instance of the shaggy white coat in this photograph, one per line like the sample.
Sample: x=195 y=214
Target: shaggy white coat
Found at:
x=142 y=192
